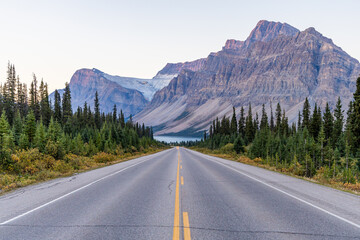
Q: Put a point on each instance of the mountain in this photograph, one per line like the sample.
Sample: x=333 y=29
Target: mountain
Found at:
x=276 y=63
x=129 y=94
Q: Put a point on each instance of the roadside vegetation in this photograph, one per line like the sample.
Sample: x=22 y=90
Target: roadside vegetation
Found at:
x=322 y=146
x=39 y=141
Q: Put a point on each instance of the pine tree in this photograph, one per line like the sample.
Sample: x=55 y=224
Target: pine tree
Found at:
x=315 y=122
x=355 y=116
x=338 y=122
x=97 y=111
x=57 y=107
x=328 y=123
x=321 y=139
x=233 y=126
x=45 y=104
x=241 y=123
x=114 y=116
x=272 y=125
x=34 y=99
x=30 y=126
x=9 y=97
x=249 y=127
x=66 y=105
x=17 y=128
x=122 y=119
x=264 y=119
x=278 y=118
x=306 y=114
x=40 y=138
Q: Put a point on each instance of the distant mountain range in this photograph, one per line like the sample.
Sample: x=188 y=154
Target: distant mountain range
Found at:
x=129 y=94
x=276 y=63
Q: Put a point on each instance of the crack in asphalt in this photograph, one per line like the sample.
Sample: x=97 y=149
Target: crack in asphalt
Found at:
x=193 y=228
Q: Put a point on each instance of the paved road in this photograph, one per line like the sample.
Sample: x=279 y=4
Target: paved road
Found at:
x=179 y=194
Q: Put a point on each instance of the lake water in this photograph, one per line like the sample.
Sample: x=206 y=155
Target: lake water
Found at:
x=173 y=139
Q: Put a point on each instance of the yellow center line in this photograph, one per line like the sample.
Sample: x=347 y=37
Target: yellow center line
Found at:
x=176 y=231
x=181 y=167
x=182 y=180
x=187 y=235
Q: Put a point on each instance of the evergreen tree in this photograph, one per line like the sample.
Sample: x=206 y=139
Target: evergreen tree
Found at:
x=328 y=123
x=66 y=105
x=249 y=127
x=34 y=99
x=233 y=125
x=40 y=138
x=57 y=107
x=45 y=104
x=17 y=128
x=338 y=122
x=355 y=116
x=114 y=116
x=241 y=123
x=10 y=94
x=30 y=126
x=239 y=144
x=306 y=114
x=278 y=118
x=264 y=119
x=97 y=111
x=272 y=125
x=315 y=122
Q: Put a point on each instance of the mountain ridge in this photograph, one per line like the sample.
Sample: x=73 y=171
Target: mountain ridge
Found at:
x=276 y=63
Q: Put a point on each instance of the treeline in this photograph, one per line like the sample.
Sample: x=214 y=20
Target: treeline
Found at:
x=29 y=122
x=320 y=143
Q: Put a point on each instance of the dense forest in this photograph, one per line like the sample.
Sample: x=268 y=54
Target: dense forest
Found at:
x=321 y=144
x=40 y=140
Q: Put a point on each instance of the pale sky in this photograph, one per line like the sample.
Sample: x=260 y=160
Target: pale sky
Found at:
x=137 y=38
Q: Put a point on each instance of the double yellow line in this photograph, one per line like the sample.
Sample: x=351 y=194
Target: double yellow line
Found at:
x=176 y=230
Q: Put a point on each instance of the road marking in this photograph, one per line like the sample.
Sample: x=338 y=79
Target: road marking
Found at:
x=182 y=180
x=72 y=192
x=288 y=194
x=187 y=235
x=181 y=167
x=176 y=233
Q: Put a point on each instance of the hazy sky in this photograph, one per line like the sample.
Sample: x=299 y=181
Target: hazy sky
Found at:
x=137 y=38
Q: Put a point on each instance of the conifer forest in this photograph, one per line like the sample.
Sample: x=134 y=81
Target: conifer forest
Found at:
x=40 y=140
x=322 y=144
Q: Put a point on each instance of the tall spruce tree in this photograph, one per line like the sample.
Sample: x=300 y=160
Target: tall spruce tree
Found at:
x=34 y=98
x=97 y=111
x=66 y=105
x=278 y=118
x=315 y=122
x=233 y=125
x=241 y=123
x=328 y=123
x=356 y=117
x=249 y=126
x=338 y=122
x=57 y=107
x=264 y=119
x=306 y=114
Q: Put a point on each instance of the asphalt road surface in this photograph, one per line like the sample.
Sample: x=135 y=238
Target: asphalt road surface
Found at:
x=179 y=194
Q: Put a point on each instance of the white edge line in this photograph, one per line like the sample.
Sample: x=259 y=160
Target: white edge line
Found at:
x=72 y=192
x=288 y=194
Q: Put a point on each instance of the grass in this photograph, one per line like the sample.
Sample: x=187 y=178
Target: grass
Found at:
x=258 y=162
x=70 y=165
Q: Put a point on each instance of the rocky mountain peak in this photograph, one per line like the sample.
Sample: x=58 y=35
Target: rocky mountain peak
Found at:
x=266 y=31
x=233 y=44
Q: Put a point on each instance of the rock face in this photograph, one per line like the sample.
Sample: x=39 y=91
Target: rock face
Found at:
x=85 y=82
x=276 y=63
x=129 y=94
